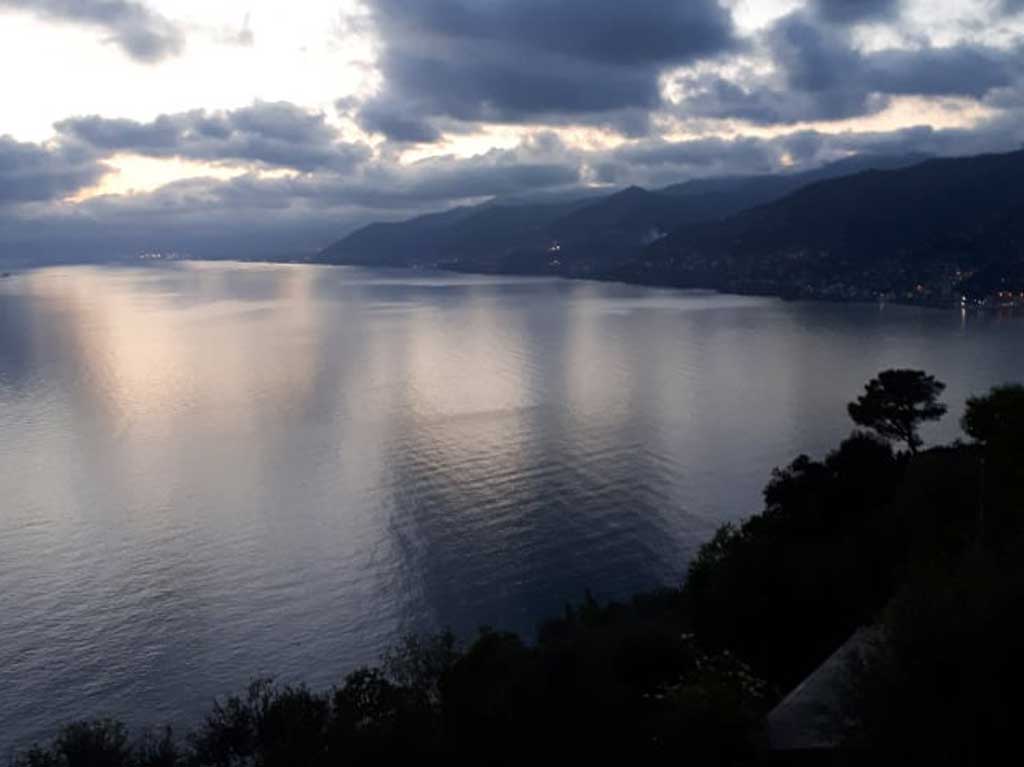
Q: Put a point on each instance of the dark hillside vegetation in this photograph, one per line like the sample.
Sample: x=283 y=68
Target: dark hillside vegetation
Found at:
x=941 y=228
x=936 y=232
x=585 y=237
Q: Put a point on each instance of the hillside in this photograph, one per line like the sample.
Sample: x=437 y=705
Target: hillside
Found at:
x=930 y=231
x=484 y=232
x=581 y=237
x=716 y=198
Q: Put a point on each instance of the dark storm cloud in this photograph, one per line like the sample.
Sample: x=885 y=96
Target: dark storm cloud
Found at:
x=31 y=172
x=599 y=31
x=818 y=63
x=763 y=101
x=396 y=123
x=960 y=70
x=274 y=134
x=521 y=60
x=820 y=75
x=1002 y=134
x=142 y=34
x=698 y=155
x=855 y=11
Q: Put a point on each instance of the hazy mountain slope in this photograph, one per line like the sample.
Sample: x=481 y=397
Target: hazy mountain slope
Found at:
x=877 y=229
x=585 y=237
x=446 y=237
x=714 y=198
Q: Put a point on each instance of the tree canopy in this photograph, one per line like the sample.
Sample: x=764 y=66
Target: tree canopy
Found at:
x=998 y=417
x=896 y=402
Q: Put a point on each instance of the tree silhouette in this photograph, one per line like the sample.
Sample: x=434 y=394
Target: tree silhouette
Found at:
x=997 y=419
x=996 y=423
x=896 y=402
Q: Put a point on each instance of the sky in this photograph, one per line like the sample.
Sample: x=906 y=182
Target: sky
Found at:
x=251 y=128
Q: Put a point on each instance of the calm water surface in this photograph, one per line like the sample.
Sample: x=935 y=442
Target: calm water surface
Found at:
x=214 y=471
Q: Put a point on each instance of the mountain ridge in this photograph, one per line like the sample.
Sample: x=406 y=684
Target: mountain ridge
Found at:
x=908 y=227
x=577 y=237
x=938 y=231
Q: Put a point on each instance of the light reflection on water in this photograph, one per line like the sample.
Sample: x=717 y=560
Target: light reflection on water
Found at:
x=213 y=471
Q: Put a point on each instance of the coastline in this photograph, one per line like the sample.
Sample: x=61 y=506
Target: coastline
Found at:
x=787 y=295
x=782 y=295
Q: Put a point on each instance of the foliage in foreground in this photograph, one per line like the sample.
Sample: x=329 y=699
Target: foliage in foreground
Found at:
x=601 y=679
x=896 y=403
x=788 y=586
x=944 y=685
x=680 y=672
x=597 y=679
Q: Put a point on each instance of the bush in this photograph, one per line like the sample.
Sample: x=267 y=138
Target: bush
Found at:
x=269 y=726
x=788 y=586
x=103 y=743
x=944 y=685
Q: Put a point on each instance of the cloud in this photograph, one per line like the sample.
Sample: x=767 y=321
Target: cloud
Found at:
x=273 y=134
x=380 y=185
x=819 y=75
x=245 y=37
x=430 y=183
x=33 y=172
x=522 y=60
x=395 y=122
x=819 y=62
x=856 y=11
x=960 y=70
x=704 y=156
x=142 y=34
x=499 y=173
